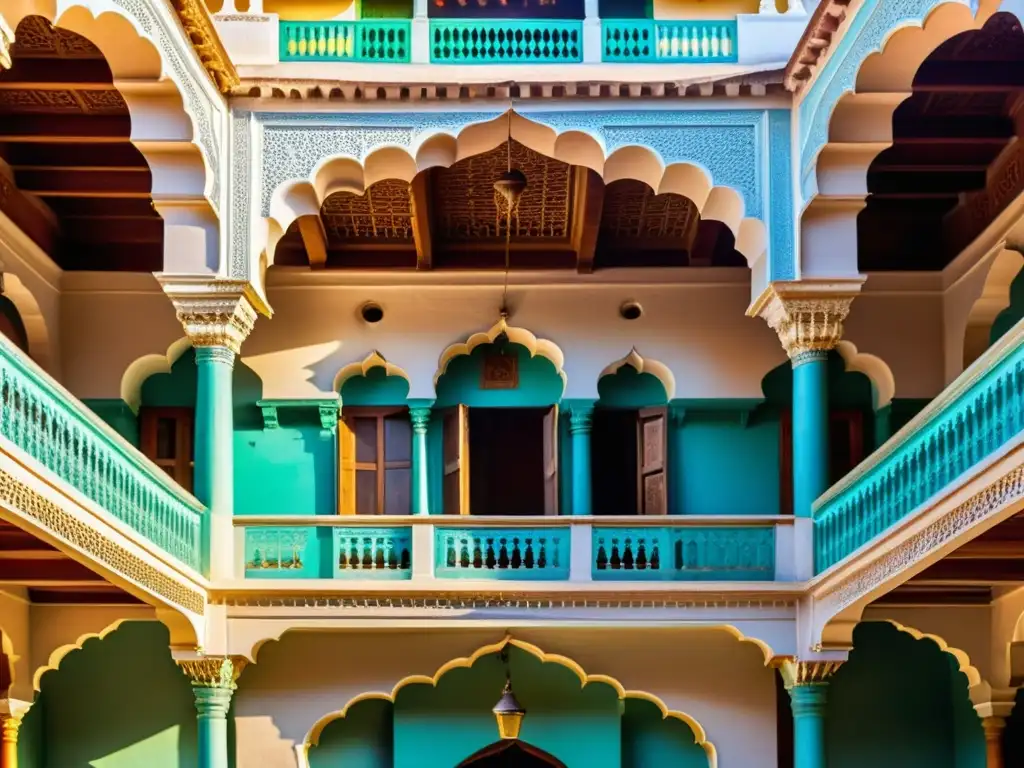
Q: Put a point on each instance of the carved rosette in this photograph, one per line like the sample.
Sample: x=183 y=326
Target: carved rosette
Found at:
x=808 y=321
x=795 y=672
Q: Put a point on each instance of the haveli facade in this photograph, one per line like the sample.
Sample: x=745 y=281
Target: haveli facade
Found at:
x=537 y=383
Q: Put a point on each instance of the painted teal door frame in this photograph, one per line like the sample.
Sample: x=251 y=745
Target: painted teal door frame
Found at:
x=810 y=430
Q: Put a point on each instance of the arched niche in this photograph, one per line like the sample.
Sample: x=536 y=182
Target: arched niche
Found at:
x=472 y=379
x=11 y=324
x=628 y=387
x=578 y=725
x=378 y=386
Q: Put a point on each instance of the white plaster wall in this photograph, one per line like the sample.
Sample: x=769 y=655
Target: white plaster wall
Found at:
x=708 y=674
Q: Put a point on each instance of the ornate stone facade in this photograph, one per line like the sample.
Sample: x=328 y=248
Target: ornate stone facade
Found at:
x=807 y=316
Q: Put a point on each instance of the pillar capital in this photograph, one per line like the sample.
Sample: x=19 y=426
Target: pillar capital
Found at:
x=419 y=415
x=215 y=313
x=807 y=315
x=581 y=419
x=219 y=672
x=796 y=673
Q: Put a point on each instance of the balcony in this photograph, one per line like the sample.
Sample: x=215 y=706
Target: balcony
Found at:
x=681 y=42
x=430 y=550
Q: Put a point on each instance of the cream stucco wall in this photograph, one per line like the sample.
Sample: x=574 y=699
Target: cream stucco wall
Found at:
x=708 y=674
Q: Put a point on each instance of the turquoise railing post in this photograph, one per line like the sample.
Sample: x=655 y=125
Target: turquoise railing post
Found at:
x=810 y=429
x=419 y=415
x=371 y=40
x=213 y=684
x=481 y=552
x=690 y=41
x=510 y=41
x=581 y=419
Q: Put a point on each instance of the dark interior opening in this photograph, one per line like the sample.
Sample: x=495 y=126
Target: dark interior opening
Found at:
x=506 y=461
x=613 y=462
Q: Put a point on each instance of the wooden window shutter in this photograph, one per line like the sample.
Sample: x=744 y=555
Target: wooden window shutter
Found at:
x=456 y=461
x=652 y=461
x=346 y=467
x=165 y=436
x=551 y=461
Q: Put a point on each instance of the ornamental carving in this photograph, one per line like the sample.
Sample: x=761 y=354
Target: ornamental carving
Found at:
x=199 y=28
x=795 y=672
x=213 y=671
x=807 y=324
x=383 y=214
x=26 y=502
x=38 y=37
x=213 y=313
x=634 y=213
x=6 y=41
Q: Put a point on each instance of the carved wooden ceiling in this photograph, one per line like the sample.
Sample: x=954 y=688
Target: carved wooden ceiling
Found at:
x=451 y=218
x=76 y=184
x=955 y=162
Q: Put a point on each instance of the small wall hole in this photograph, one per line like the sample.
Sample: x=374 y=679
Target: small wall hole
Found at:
x=371 y=312
x=631 y=310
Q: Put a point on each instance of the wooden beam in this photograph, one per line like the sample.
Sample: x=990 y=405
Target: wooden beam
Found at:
x=91 y=182
x=588 y=191
x=974 y=572
x=35 y=571
x=314 y=238
x=985 y=549
x=419 y=194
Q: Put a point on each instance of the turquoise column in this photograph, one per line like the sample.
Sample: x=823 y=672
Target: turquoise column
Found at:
x=213 y=684
x=810 y=429
x=420 y=418
x=214 y=475
x=581 y=419
x=808 y=702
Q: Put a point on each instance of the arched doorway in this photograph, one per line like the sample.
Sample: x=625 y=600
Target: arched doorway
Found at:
x=511 y=753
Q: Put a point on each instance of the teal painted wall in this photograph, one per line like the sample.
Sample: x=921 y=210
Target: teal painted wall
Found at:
x=1010 y=316
x=375 y=388
x=439 y=727
x=119 y=702
x=628 y=388
x=31 y=737
x=649 y=739
x=118 y=415
x=539 y=382
x=361 y=739
x=900 y=702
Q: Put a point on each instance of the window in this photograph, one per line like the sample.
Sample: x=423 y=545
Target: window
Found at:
x=846 y=450
x=628 y=461
x=376 y=461
x=166 y=438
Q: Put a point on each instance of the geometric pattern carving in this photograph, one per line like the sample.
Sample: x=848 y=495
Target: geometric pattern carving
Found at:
x=15 y=495
x=633 y=211
x=36 y=37
x=62 y=101
x=465 y=205
x=382 y=214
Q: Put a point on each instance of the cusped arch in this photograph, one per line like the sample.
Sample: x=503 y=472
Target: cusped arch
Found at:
x=465 y=662
x=58 y=654
x=37 y=333
x=142 y=368
x=962 y=659
x=362 y=367
x=295 y=198
x=878 y=372
x=542 y=347
x=175 y=134
x=640 y=364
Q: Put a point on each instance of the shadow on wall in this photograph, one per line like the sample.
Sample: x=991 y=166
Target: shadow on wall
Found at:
x=901 y=702
x=119 y=702
x=585 y=727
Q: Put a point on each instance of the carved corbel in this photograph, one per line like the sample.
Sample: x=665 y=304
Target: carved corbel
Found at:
x=214 y=313
x=807 y=316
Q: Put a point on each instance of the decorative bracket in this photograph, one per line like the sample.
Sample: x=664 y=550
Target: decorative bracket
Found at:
x=326 y=409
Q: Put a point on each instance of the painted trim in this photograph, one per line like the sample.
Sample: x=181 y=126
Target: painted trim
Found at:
x=361 y=368
x=640 y=364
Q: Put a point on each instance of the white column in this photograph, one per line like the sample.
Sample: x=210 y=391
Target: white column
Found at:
x=420 y=52
x=581 y=553
x=592 y=43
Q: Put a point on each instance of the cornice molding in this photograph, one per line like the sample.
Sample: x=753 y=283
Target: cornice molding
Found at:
x=195 y=20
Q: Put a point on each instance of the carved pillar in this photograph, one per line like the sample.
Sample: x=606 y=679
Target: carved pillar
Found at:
x=11 y=713
x=217 y=318
x=420 y=418
x=807 y=683
x=214 y=681
x=581 y=419
x=808 y=318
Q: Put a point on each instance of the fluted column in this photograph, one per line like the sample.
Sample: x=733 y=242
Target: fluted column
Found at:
x=11 y=713
x=808 y=318
x=420 y=418
x=581 y=419
x=217 y=317
x=807 y=683
x=214 y=681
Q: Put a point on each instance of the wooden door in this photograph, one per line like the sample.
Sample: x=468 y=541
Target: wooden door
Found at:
x=550 y=458
x=652 y=461
x=456 y=461
x=166 y=437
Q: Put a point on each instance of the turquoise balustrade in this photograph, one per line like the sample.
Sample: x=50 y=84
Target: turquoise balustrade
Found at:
x=973 y=419
x=49 y=424
x=699 y=553
x=327 y=552
x=524 y=554
x=684 y=42
x=384 y=40
x=506 y=41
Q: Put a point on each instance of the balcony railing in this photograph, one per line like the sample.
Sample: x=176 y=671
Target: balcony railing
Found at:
x=385 y=40
x=505 y=41
x=970 y=422
x=49 y=424
x=681 y=42
x=549 y=549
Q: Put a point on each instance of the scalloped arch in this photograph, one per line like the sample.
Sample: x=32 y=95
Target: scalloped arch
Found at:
x=59 y=654
x=36 y=331
x=699 y=734
x=640 y=364
x=373 y=360
x=543 y=347
x=875 y=368
x=142 y=368
x=962 y=659
x=344 y=173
